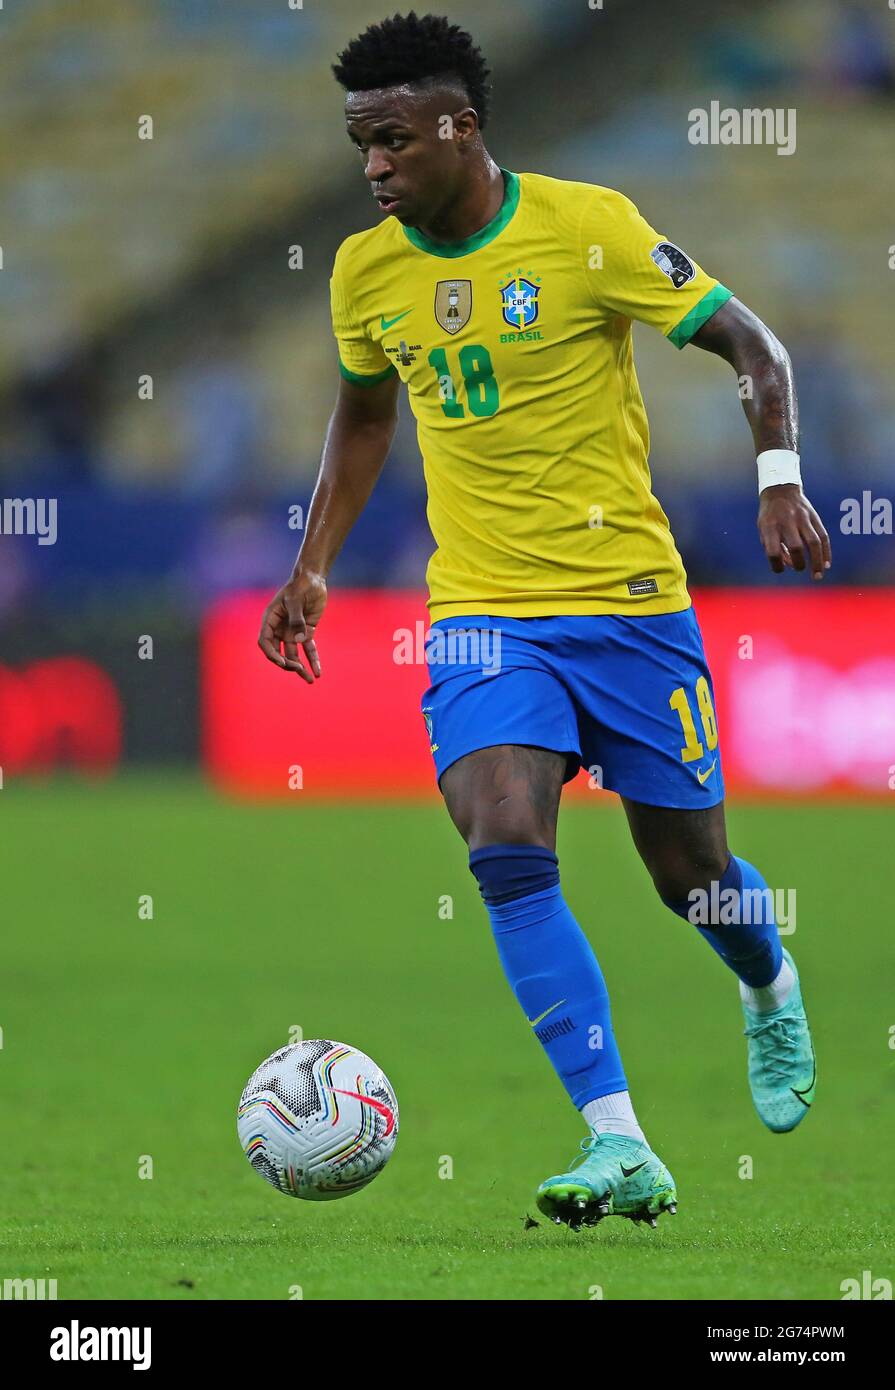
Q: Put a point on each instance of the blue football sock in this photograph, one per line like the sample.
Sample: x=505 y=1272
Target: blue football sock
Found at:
x=551 y=967
x=743 y=931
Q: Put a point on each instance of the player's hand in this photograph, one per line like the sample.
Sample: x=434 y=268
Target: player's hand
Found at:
x=793 y=535
x=290 y=621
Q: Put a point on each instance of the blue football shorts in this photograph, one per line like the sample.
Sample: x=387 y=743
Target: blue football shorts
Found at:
x=628 y=698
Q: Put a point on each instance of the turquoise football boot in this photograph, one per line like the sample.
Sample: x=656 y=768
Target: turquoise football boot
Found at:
x=782 y=1069
x=613 y=1176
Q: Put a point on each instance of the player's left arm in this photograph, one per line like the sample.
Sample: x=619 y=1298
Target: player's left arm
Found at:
x=787 y=523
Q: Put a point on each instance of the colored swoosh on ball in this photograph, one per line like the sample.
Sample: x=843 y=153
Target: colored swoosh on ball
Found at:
x=370 y=1100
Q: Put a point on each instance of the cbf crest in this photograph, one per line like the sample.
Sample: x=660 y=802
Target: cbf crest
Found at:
x=453 y=304
x=519 y=300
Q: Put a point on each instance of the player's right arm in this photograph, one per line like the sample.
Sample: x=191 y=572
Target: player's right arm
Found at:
x=358 y=439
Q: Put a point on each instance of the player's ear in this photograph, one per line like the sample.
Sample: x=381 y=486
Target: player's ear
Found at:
x=465 y=124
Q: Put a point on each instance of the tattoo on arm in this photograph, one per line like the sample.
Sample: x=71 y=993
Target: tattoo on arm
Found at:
x=764 y=370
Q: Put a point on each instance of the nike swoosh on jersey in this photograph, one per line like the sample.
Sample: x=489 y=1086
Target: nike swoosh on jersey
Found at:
x=704 y=776
x=386 y=324
x=540 y=1018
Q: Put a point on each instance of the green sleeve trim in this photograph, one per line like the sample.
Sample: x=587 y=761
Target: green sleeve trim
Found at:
x=374 y=380
x=698 y=315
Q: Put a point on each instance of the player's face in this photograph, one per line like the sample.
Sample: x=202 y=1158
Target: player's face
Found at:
x=414 y=172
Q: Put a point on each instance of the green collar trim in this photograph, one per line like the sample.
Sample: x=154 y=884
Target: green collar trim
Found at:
x=451 y=249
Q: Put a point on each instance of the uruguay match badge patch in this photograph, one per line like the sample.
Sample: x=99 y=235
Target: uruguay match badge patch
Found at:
x=453 y=304
x=672 y=262
x=519 y=300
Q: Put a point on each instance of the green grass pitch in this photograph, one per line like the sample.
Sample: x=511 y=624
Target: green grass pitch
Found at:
x=124 y=1038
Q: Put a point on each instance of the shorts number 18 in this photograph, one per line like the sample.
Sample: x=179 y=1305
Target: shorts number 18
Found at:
x=679 y=702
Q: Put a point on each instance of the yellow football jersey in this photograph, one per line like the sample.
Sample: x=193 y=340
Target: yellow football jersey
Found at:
x=515 y=345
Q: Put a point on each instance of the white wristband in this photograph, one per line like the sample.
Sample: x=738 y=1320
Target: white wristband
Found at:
x=776 y=466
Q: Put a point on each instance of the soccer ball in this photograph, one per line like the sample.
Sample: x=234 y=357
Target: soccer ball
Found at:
x=318 y=1120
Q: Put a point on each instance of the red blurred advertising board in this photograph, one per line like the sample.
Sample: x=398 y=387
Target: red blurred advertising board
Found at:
x=804 y=687
x=59 y=712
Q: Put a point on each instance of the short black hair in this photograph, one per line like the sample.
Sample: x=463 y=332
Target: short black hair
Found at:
x=408 y=48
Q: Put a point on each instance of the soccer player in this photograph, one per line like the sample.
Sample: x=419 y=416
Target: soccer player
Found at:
x=504 y=302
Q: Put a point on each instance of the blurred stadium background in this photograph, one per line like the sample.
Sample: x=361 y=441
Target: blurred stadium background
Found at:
x=127 y=258
x=169 y=258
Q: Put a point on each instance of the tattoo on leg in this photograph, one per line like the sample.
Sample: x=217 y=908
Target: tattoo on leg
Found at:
x=509 y=791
